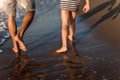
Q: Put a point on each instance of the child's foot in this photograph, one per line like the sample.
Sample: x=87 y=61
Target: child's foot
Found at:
x=61 y=50
x=21 y=43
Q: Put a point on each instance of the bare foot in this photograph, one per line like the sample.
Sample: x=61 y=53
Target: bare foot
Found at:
x=70 y=38
x=15 y=50
x=21 y=43
x=61 y=50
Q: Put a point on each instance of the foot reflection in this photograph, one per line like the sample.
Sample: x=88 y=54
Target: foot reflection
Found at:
x=26 y=70
x=74 y=50
x=19 y=64
x=76 y=67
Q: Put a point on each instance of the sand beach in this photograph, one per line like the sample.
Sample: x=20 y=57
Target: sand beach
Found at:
x=94 y=54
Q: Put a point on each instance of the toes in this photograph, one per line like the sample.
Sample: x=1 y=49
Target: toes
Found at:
x=14 y=50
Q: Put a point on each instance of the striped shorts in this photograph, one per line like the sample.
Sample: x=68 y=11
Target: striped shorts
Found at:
x=72 y=5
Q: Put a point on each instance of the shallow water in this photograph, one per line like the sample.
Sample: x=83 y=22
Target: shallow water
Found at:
x=4 y=33
x=41 y=9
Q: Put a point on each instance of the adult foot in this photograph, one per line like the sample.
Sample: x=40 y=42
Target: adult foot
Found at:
x=61 y=50
x=70 y=38
x=15 y=50
x=21 y=43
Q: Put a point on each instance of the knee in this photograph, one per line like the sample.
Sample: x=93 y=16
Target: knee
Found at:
x=72 y=22
x=11 y=16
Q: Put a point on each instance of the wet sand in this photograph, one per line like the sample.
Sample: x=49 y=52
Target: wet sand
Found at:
x=94 y=55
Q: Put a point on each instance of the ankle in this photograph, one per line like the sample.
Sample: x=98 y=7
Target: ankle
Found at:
x=64 y=47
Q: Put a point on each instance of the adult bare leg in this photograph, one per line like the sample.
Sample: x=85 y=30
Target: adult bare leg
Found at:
x=72 y=25
x=13 y=30
x=65 y=20
x=25 y=24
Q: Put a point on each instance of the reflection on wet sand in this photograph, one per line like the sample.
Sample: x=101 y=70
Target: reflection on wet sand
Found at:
x=71 y=67
x=96 y=31
x=75 y=66
x=23 y=71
